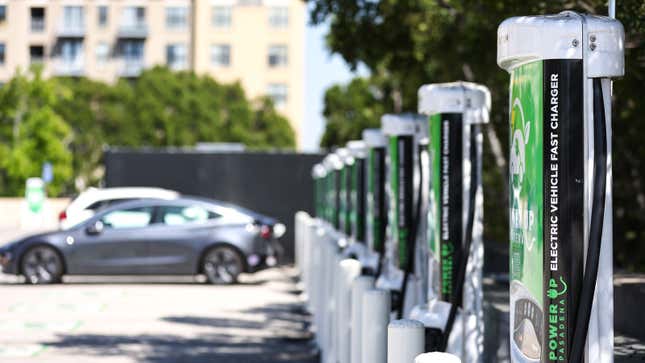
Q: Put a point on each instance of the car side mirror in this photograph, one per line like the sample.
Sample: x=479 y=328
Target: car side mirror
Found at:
x=95 y=228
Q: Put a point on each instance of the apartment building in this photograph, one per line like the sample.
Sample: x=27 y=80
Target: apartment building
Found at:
x=257 y=42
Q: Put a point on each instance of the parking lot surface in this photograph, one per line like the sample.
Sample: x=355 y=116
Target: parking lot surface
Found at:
x=154 y=320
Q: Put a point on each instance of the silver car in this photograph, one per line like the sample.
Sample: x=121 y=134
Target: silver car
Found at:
x=184 y=236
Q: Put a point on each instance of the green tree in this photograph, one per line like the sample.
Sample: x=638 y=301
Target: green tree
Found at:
x=163 y=108
x=350 y=109
x=32 y=133
x=405 y=44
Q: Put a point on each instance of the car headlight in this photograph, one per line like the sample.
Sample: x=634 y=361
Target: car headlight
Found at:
x=279 y=230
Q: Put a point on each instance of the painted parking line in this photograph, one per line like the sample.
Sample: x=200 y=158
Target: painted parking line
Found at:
x=58 y=308
x=21 y=351
x=54 y=327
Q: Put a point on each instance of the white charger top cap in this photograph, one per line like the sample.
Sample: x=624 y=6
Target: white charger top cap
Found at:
x=469 y=98
x=599 y=40
x=332 y=162
x=402 y=124
x=318 y=171
x=344 y=155
x=374 y=138
x=357 y=148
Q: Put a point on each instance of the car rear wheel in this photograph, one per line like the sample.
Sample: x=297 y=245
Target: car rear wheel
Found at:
x=222 y=265
x=42 y=265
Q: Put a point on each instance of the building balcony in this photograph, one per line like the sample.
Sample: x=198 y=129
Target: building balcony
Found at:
x=129 y=68
x=68 y=68
x=71 y=30
x=133 y=31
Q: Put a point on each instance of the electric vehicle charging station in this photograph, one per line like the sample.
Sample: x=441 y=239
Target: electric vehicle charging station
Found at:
x=333 y=165
x=403 y=185
x=452 y=308
x=357 y=198
x=561 y=291
x=318 y=173
x=376 y=208
x=346 y=160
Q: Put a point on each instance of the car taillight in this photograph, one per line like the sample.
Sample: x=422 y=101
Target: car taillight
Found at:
x=62 y=216
x=265 y=232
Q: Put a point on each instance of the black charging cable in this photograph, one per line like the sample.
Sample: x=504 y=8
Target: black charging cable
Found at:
x=461 y=273
x=592 y=262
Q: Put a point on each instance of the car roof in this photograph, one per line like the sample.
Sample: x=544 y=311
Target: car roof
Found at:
x=146 y=202
x=129 y=192
x=93 y=195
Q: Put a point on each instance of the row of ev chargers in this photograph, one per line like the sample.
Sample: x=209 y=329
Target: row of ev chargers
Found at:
x=380 y=200
x=399 y=214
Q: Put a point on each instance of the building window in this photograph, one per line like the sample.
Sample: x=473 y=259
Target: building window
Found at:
x=103 y=15
x=221 y=55
x=102 y=53
x=36 y=53
x=70 y=56
x=279 y=16
x=277 y=56
x=222 y=16
x=177 y=17
x=134 y=17
x=2 y=53
x=278 y=93
x=132 y=50
x=37 y=19
x=177 y=56
x=3 y=13
x=73 y=17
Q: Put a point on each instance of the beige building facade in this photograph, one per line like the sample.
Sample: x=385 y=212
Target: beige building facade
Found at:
x=259 y=43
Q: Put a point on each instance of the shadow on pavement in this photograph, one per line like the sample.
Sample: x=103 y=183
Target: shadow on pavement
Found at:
x=221 y=348
x=278 y=333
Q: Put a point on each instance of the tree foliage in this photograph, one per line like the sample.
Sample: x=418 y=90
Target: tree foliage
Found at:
x=409 y=43
x=31 y=134
x=70 y=121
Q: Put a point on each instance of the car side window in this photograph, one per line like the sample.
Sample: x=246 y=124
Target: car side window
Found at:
x=128 y=218
x=178 y=215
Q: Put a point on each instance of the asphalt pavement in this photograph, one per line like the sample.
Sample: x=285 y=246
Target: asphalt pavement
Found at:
x=156 y=320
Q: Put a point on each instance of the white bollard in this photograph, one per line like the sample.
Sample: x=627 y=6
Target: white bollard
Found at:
x=349 y=270
x=376 y=317
x=437 y=357
x=360 y=285
x=405 y=340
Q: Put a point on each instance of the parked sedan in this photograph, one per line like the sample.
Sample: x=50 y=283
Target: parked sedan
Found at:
x=183 y=236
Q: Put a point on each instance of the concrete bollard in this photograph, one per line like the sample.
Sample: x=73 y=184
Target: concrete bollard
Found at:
x=405 y=340
x=437 y=357
x=349 y=270
x=376 y=317
x=360 y=285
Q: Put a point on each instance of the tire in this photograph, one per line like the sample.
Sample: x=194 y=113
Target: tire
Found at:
x=222 y=265
x=42 y=265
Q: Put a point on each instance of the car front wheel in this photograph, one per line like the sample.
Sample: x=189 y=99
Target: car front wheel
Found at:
x=42 y=265
x=222 y=265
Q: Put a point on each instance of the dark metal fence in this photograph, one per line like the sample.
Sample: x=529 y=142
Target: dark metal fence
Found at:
x=275 y=184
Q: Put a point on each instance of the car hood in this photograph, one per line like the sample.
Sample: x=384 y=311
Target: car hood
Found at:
x=43 y=236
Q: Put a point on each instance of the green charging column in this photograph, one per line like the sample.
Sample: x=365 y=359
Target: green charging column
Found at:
x=376 y=208
x=456 y=112
x=402 y=133
x=560 y=179
x=333 y=165
x=346 y=163
x=318 y=173
x=357 y=190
